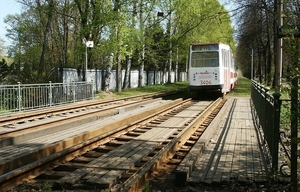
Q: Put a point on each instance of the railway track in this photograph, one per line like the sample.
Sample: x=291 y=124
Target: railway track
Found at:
x=20 y=127
x=9 y=123
x=120 y=154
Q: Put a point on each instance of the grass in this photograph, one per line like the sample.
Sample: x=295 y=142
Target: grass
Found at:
x=242 y=89
x=144 y=90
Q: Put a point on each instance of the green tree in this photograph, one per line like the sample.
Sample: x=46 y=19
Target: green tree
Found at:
x=4 y=70
x=257 y=34
x=2 y=47
x=156 y=48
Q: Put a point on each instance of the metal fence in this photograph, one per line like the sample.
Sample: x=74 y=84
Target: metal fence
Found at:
x=267 y=108
x=23 y=97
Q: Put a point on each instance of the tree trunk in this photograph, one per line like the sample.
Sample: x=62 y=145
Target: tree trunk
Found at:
x=129 y=57
x=108 y=73
x=127 y=72
x=45 y=40
x=119 y=73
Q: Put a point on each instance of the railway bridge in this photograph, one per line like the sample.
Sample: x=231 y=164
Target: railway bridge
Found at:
x=173 y=144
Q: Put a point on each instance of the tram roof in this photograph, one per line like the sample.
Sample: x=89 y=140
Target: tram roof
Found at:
x=208 y=43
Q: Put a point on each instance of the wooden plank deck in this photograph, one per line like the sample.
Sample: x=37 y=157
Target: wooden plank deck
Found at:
x=116 y=162
x=230 y=152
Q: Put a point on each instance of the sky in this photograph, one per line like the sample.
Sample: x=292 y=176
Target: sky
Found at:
x=7 y=7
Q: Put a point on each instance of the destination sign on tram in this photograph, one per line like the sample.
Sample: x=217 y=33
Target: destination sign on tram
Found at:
x=204 y=47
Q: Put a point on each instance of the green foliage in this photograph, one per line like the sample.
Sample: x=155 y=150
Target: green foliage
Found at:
x=156 y=48
x=285 y=115
x=203 y=21
x=3 y=111
x=147 y=187
x=4 y=70
x=46 y=187
x=2 y=47
x=8 y=60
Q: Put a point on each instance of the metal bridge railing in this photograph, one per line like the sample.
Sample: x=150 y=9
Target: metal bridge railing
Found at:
x=21 y=97
x=285 y=136
x=267 y=109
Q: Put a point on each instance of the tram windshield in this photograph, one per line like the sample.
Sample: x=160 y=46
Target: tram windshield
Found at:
x=205 y=59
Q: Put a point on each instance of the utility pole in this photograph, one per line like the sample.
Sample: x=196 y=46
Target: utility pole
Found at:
x=170 y=43
x=88 y=44
x=252 y=53
x=278 y=68
x=142 y=29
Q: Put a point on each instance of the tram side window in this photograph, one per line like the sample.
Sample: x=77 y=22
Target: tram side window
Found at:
x=205 y=59
x=225 y=59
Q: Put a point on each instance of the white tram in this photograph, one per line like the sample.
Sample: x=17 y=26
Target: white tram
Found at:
x=211 y=68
